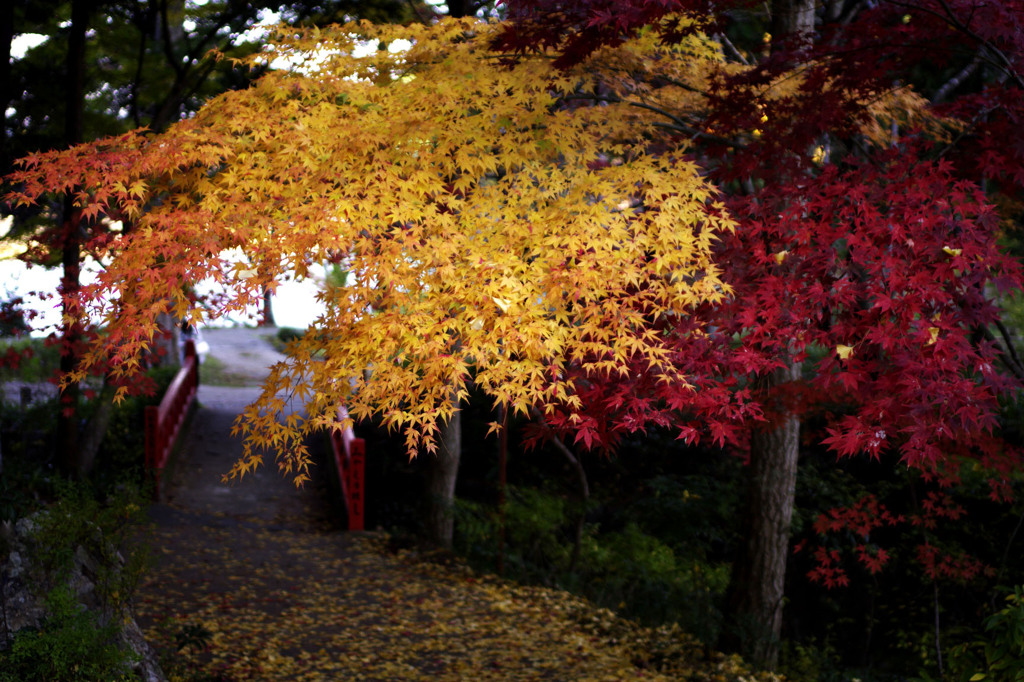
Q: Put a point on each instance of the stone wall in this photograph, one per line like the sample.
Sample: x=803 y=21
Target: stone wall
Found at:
x=21 y=604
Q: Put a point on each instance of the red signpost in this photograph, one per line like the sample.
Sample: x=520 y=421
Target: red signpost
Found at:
x=163 y=422
x=350 y=463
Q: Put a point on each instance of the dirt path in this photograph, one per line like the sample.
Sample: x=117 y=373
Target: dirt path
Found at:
x=255 y=576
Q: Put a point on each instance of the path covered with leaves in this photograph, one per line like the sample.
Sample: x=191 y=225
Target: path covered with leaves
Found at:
x=252 y=581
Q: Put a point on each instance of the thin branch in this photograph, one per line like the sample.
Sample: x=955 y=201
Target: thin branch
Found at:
x=677 y=124
x=1008 y=354
x=581 y=474
x=1006 y=551
x=134 y=92
x=954 y=82
x=727 y=44
x=967 y=129
x=1003 y=63
x=680 y=84
x=416 y=10
x=854 y=10
x=165 y=31
x=938 y=631
x=1007 y=64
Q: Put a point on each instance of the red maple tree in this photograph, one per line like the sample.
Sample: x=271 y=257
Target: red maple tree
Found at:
x=866 y=269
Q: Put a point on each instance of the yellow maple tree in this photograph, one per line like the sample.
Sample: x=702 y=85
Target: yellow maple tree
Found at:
x=494 y=224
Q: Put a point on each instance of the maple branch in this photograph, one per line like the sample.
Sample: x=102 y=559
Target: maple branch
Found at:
x=581 y=474
x=168 y=47
x=954 y=82
x=679 y=84
x=223 y=20
x=967 y=129
x=1006 y=551
x=1007 y=64
x=1009 y=355
x=678 y=124
x=575 y=462
x=425 y=20
x=724 y=40
x=134 y=93
x=1004 y=63
x=852 y=13
x=179 y=93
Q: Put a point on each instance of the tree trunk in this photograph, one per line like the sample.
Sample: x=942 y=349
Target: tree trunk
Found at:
x=792 y=24
x=6 y=87
x=67 y=419
x=756 y=587
x=168 y=344
x=459 y=8
x=268 y=309
x=442 y=471
x=96 y=429
x=71 y=333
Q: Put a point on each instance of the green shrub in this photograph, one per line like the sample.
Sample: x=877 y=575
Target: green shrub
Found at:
x=107 y=531
x=289 y=334
x=283 y=337
x=628 y=570
x=30 y=478
x=74 y=643
x=70 y=645
x=123 y=450
x=999 y=656
x=536 y=550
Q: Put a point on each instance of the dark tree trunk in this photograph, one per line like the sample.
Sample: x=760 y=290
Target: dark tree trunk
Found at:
x=268 y=310
x=68 y=430
x=96 y=429
x=792 y=24
x=168 y=344
x=459 y=8
x=6 y=87
x=755 y=593
x=442 y=472
x=756 y=587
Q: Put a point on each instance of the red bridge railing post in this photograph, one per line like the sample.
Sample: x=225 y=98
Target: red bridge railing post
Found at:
x=153 y=443
x=356 y=481
x=163 y=422
x=350 y=463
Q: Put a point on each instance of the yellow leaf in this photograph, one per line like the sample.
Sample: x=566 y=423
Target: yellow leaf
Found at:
x=441 y=201
x=844 y=352
x=781 y=256
x=951 y=251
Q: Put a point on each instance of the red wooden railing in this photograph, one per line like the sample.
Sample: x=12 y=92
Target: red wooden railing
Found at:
x=164 y=422
x=350 y=463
